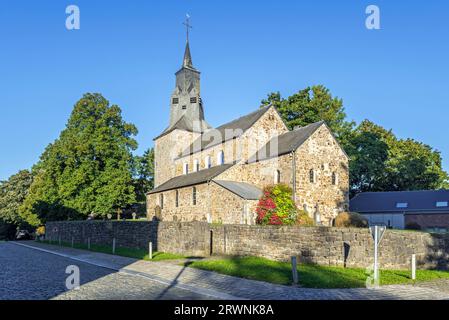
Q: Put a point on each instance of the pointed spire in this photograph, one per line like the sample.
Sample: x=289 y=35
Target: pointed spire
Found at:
x=187 y=56
x=187 y=62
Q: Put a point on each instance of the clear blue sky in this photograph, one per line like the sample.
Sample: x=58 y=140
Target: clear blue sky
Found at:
x=129 y=50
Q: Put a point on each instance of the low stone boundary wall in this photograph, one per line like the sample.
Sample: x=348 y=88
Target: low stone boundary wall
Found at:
x=183 y=238
x=320 y=245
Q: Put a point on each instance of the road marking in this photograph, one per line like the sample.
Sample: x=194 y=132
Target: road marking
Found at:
x=199 y=290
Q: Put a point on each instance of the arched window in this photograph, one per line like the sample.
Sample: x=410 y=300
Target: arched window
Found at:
x=207 y=162
x=196 y=165
x=220 y=158
x=312 y=177
x=177 y=198
x=194 y=196
x=161 y=200
x=185 y=169
x=277 y=177
x=334 y=178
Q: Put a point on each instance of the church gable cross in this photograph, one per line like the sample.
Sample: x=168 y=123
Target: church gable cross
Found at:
x=188 y=25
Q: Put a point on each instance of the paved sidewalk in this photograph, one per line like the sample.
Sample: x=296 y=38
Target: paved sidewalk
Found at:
x=217 y=286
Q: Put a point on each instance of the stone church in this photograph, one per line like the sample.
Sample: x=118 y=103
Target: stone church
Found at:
x=217 y=174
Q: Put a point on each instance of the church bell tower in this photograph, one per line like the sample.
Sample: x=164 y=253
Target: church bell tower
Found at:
x=187 y=121
x=186 y=105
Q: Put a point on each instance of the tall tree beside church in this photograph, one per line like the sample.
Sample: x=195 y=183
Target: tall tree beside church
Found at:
x=381 y=162
x=144 y=174
x=310 y=105
x=368 y=151
x=88 y=169
x=414 y=166
x=12 y=194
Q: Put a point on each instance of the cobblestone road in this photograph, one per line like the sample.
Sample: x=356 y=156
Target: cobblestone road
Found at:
x=34 y=275
x=139 y=279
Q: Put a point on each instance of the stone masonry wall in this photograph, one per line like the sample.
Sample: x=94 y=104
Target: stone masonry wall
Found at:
x=211 y=199
x=187 y=238
x=186 y=210
x=261 y=174
x=319 y=245
x=428 y=220
x=166 y=149
x=332 y=246
x=322 y=153
x=239 y=149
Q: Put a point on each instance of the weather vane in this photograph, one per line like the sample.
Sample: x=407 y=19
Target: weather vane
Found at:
x=188 y=25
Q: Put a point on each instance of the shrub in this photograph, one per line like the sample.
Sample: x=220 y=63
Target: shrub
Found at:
x=413 y=226
x=40 y=231
x=304 y=220
x=276 y=206
x=351 y=219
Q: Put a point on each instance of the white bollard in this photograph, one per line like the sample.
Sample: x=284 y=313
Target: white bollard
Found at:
x=88 y=243
x=376 y=263
x=413 y=266
x=73 y=242
x=150 y=250
x=113 y=246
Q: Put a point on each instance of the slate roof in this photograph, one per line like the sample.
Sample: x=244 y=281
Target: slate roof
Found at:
x=236 y=128
x=385 y=202
x=191 y=179
x=286 y=143
x=187 y=61
x=184 y=124
x=242 y=189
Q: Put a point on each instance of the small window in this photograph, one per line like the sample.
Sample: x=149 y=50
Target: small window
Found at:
x=194 y=196
x=442 y=204
x=193 y=100
x=334 y=178
x=196 y=165
x=184 y=107
x=161 y=200
x=402 y=205
x=208 y=162
x=312 y=176
x=220 y=158
x=177 y=198
x=175 y=100
x=186 y=168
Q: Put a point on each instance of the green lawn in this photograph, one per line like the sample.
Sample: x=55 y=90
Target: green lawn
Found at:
x=310 y=276
x=121 y=251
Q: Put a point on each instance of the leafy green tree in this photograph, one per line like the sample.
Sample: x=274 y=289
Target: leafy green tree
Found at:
x=12 y=194
x=144 y=174
x=88 y=169
x=368 y=153
x=381 y=162
x=311 y=105
x=414 y=166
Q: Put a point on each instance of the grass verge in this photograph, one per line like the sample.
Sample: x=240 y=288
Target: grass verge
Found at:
x=310 y=276
x=120 y=251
